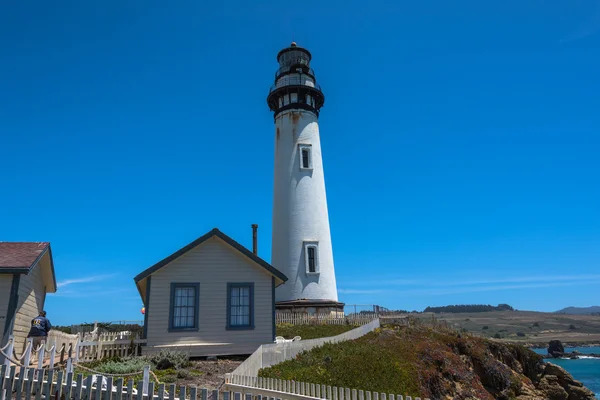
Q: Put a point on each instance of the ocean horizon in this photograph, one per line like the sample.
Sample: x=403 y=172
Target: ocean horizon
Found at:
x=585 y=369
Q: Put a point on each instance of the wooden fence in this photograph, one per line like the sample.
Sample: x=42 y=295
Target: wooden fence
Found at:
x=57 y=385
x=269 y=387
x=305 y=319
x=108 y=345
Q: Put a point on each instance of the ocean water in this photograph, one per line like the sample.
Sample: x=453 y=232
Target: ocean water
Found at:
x=586 y=370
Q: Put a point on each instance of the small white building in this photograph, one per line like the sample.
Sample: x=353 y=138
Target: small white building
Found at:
x=212 y=297
x=26 y=275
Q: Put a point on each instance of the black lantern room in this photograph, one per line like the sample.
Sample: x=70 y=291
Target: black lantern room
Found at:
x=295 y=84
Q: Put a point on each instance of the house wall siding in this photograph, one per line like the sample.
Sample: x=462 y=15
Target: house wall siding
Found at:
x=5 y=284
x=31 y=301
x=212 y=264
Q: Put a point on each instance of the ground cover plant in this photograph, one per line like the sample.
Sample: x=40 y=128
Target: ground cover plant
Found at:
x=169 y=367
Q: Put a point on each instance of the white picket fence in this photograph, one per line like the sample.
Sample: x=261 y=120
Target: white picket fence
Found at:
x=54 y=385
x=269 y=387
x=108 y=345
x=306 y=319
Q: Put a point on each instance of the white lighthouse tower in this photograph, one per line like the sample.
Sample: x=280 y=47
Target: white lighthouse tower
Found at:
x=301 y=246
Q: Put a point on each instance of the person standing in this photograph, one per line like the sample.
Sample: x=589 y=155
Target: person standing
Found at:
x=40 y=326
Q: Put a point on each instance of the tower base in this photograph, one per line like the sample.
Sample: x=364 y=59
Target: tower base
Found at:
x=310 y=307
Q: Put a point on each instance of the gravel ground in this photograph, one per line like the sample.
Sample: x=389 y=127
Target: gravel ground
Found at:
x=213 y=372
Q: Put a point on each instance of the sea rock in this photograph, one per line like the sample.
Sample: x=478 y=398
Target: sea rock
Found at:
x=556 y=348
x=558 y=384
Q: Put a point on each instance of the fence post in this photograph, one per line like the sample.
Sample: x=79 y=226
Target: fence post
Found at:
x=41 y=351
x=52 y=355
x=77 y=349
x=9 y=352
x=69 y=365
x=28 y=348
x=62 y=353
x=146 y=380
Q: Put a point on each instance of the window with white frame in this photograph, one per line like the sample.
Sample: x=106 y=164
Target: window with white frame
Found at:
x=305 y=153
x=311 y=255
x=184 y=306
x=240 y=307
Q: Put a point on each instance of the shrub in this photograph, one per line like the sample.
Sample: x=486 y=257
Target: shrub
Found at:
x=170 y=359
x=572 y=326
x=123 y=366
x=520 y=334
x=485 y=327
x=536 y=324
x=497 y=336
x=183 y=374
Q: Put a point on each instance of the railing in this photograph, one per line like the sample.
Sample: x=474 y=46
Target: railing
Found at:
x=68 y=386
x=295 y=81
x=60 y=346
x=276 y=388
x=320 y=319
x=275 y=353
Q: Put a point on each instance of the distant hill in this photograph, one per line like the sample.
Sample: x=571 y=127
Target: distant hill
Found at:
x=468 y=308
x=580 y=310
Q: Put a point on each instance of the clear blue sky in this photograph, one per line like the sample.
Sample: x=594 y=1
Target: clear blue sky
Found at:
x=461 y=143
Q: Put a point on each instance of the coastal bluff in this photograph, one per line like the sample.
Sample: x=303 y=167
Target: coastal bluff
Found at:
x=435 y=363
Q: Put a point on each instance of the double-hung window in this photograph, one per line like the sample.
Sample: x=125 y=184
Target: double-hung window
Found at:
x=185 y=301
x=240 y=306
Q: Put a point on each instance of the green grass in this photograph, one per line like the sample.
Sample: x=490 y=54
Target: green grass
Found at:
x=352 y=364
x=290 y=331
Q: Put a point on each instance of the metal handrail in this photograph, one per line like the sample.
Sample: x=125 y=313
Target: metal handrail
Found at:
x=294 y=82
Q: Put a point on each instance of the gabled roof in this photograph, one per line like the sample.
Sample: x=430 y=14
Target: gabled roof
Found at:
x=21 y=257
x=202 y=239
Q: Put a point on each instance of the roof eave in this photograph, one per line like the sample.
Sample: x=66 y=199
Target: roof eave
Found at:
x=52 y=270
x=14 y=270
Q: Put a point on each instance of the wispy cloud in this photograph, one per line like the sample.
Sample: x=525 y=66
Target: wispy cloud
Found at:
x=443 y=287
x=87 y=279
x=99 y=293
x=493 y=288
x=472 y=282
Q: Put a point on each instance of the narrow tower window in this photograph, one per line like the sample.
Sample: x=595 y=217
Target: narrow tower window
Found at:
x=305 y=156
x=311 y=253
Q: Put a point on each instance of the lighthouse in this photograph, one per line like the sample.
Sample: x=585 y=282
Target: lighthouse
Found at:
x=301 y=246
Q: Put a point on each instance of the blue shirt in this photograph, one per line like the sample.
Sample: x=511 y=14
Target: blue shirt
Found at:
x=40 y=326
